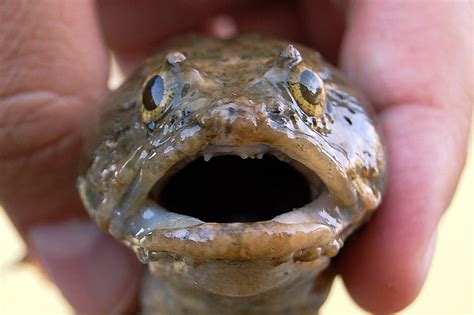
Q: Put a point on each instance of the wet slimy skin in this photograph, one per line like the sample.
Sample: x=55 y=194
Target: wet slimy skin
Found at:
x=252 y=97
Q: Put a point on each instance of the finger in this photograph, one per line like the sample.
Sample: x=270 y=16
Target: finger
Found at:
x=135 y=31
x=54 y=72
x=152 y=22
x=400 y=52
x=279 y=19
x=96 y=274
x=325 y=22
x=385 y=267
x=410 y=58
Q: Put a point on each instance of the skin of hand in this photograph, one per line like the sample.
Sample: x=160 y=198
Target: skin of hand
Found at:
x=412 y=58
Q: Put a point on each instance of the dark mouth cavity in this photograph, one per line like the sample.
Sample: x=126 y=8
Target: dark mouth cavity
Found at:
x=231 y=189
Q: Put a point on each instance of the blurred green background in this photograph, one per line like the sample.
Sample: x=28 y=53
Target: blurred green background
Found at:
x=448 y=290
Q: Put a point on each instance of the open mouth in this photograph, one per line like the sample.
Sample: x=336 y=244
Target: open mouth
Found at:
x=234 y=203
x=238 y=203
x=229 y=188
x=231 y=207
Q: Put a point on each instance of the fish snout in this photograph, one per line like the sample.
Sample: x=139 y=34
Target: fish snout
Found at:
x=238 y=118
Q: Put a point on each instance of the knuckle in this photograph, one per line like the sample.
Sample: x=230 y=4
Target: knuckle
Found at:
x=32 y=122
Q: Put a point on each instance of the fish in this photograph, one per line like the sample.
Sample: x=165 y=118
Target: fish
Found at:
x=235 y=169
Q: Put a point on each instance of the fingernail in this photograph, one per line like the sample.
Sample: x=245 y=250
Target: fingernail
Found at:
x=95 y=273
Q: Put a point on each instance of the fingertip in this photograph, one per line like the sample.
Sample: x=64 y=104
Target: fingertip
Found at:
x=95 y=273
x=384 y=274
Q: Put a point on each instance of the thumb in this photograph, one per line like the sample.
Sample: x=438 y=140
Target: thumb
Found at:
x=95 y=274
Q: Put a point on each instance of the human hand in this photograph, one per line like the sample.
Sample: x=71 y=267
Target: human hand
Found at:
x=411 y=58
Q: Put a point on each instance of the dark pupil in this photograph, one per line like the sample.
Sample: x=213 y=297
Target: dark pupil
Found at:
x=310 y=86
x=153 y=93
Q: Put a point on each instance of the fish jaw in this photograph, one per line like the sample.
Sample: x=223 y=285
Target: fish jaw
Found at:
x=306 y=237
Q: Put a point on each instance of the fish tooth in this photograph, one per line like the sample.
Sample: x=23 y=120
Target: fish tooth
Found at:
x=207 y=157
x=282 y=157
x=259 y=156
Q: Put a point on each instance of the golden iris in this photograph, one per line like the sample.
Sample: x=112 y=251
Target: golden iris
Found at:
x=308 y=91
x=156 y=98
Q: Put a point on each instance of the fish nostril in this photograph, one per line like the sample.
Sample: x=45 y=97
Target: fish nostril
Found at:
x=234 y=109
x=231 y=110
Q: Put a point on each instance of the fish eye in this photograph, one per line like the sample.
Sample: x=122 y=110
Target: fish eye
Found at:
x=156 y=98
x=308 y=91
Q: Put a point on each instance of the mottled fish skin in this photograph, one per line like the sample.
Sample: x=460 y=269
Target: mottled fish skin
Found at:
x=252 y=92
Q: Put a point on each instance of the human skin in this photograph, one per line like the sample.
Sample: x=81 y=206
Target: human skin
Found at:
x=413 y=59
